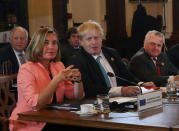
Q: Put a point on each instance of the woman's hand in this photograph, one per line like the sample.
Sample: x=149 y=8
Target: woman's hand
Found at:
x=69 y=74
x=76 y=75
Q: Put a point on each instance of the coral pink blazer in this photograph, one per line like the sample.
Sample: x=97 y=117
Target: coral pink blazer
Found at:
x=32 y=79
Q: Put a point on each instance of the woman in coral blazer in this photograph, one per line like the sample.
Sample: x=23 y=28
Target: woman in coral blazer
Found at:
x=43 y=79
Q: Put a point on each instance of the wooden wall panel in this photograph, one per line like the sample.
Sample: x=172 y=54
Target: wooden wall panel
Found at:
x=60 y=22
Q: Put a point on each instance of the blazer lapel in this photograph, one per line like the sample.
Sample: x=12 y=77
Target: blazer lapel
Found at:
x=150 y=62
x=111 y=61
x=93 y=65
x=14 y=60
x=161 y=63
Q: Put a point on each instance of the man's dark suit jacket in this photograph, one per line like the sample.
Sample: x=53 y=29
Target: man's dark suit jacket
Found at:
x=92 y=77
x=7 y=54
x=66 y=51
x=142 y=66
x=173 y=54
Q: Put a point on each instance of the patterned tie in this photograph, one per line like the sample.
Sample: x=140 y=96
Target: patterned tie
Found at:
x=157 y=66
x=103 y=71
x=22 y=58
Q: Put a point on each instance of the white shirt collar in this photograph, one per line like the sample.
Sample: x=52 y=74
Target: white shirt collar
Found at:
x=17 y=52
x=95 y=56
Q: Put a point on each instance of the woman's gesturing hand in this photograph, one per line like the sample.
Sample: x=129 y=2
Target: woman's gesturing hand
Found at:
x=69 y=74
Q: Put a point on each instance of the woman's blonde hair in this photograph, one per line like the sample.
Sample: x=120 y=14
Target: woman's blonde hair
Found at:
x=89 y=25
x=35 y=47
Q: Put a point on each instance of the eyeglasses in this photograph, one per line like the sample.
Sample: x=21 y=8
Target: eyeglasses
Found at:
x=19 y=38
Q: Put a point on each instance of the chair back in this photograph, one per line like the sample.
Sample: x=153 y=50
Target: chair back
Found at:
x=7 y=100
x=125 y=61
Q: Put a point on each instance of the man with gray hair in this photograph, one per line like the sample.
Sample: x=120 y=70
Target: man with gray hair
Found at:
x=12 y=55
x=151 y=64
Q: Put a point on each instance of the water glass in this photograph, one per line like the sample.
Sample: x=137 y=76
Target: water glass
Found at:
x=87 y=108
x=177 y=87
x=171 y=91
x=103 y=103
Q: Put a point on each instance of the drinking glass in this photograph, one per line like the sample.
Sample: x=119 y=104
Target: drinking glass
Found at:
x=103 y=103
x=171 y=91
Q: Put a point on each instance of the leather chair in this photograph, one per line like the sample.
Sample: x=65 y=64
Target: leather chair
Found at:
x=7 y=100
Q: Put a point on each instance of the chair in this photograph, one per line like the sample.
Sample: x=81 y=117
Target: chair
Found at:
x=125 y=61
x=7 y=100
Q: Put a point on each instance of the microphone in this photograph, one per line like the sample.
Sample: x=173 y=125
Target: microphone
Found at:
x=110 y=74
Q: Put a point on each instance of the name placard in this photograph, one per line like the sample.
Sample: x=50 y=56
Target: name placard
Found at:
x=149 y=101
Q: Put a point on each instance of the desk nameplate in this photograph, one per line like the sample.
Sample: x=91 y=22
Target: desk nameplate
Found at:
x=149 y=101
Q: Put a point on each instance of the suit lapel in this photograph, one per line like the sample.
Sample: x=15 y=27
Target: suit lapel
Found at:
x=14 y=60
x=161 y=63
x=93 y=65
x=111 y=60
x=151 y=63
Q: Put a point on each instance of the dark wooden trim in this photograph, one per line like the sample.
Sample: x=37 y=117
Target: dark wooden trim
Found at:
x=115 y=19
x=60 y=17
x=116 y=34
x=175 y=35
x=116 y=23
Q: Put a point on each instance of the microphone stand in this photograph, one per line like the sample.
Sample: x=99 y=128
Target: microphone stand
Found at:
x=110 y=74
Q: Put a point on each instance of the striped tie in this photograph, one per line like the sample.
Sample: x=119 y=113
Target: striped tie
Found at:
x=22 y=58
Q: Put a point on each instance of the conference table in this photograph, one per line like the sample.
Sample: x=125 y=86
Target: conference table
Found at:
x=165 y=119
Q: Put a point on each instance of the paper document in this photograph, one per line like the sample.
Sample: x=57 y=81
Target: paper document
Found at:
x=144 y=90
x=148 y=89
x=123 y=99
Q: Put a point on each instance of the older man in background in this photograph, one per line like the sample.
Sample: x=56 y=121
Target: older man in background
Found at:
x=151 y=64
x=12 y=54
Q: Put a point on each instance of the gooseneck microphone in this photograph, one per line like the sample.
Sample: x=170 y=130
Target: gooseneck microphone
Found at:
x=110 y=74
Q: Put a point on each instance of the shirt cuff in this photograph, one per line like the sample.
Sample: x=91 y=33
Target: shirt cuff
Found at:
x=76 y=84
x=140 y=83
x=115 y=91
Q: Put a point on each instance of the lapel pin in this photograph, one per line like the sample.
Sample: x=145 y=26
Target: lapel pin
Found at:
x=162 y=63
x=112 y=59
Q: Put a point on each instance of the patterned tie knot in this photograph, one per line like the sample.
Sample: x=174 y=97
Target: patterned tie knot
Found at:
x=155 y=59
x=98 y=59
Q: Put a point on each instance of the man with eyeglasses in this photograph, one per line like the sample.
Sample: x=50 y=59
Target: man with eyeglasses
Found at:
x=12 y=55
x=151 y=64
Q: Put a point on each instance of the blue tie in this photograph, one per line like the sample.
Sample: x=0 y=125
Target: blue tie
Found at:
x=103 y=71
